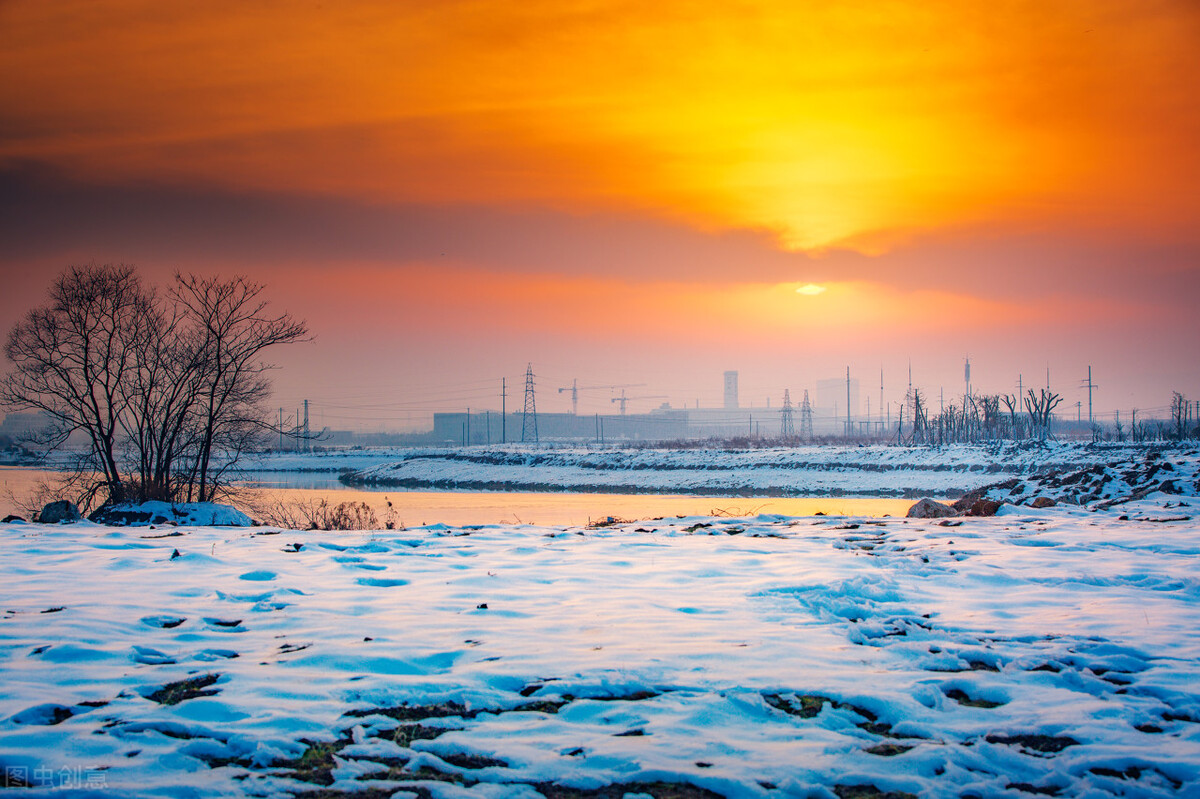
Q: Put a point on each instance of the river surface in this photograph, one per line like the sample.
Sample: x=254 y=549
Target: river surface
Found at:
x=265 y=489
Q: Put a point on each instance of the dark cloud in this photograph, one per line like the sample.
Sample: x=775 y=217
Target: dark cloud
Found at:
x=45 y=215
x=44 y=212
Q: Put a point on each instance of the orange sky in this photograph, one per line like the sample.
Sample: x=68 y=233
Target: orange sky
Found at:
x=1003 y=165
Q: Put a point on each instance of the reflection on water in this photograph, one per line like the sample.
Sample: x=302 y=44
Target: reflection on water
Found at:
x=414 y=508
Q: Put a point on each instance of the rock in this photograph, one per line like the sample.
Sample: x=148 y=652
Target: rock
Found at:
x=12 y=517
x=1043 y=502
x=119 y=516
x=60 y=512
x=928 y=509
x=983 y=507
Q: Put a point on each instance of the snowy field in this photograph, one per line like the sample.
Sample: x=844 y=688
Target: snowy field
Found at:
x=812 y=471
x=1039 y=652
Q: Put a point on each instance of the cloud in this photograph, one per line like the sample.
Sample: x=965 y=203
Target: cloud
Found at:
x=819 y=122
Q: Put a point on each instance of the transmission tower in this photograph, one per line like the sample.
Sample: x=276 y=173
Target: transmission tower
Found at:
x=806 y=431
x=529 y=418
x=787 y=429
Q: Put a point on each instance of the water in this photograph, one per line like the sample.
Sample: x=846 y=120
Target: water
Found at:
x=275 y=479
x=413 y=508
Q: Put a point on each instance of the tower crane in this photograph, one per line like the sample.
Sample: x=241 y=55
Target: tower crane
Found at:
x=623 y=399
x=575 y=388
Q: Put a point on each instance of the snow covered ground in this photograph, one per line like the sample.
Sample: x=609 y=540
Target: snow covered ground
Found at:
x=812 y=471
x=1052 y=652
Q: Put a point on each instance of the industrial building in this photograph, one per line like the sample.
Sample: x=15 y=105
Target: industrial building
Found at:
x=662 y=424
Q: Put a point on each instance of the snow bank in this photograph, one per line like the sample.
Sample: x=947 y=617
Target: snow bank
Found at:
x=191 y=513
x=1172 y=471
x=1052 y=650
x=792 y=471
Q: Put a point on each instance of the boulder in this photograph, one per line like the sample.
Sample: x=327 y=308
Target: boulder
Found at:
x=124 y=516
x=983 y=507
x=12 y=517
x=928 y=509
x=1042 y=502
x=60 y=512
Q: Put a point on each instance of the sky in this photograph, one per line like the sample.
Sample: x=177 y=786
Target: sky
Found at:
x=630 y=194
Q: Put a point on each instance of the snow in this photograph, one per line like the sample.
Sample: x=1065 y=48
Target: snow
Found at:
x=1053 y=650
x=1174 y=470
x=191 y=513
x=812 y=471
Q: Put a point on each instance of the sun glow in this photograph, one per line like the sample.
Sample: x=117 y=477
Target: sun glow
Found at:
x=811 y=289
x=821 y=123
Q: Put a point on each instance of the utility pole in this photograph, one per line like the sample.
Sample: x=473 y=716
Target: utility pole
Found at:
x=849 y=429
x=1090 y=386
x=529 y=418
x=907 y=406
x=503 y=411
x=881 y=399
x=467 y=434
x=967 y=377
x=281 y=429
x=1020 y=390
x=307 y=440
x=488 y=421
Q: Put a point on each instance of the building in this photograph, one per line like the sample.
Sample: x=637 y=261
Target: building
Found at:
x=731 y=391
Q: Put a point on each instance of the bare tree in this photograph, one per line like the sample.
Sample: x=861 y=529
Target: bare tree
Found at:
x=161 y=389
x=71 y=356
x=170 y=391
x=920 y=418
x=1040 y=406
x=1181 y=415
x=233 y=328
x=1013 y=403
